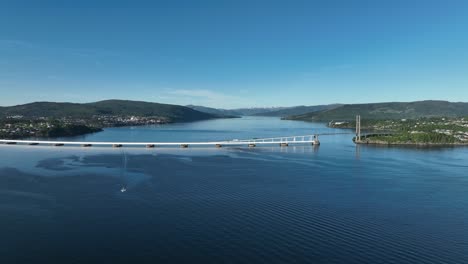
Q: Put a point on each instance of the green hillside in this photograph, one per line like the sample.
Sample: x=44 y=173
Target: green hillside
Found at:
x=392 y=110
x=109 y=107
x=298 y=110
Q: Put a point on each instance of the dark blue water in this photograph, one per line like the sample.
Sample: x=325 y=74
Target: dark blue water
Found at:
x=330 y=204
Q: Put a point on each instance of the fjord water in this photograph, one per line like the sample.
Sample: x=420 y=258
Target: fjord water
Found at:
x=336 y=203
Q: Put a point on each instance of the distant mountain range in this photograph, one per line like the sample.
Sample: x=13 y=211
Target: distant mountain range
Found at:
x=236 y=112
x=391 y=110
x=216 y=111
x=258 y=110
x=174 y=113
x=299 y=110
x=264 y=111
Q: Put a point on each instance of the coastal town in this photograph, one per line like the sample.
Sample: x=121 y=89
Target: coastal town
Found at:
x=16 y=127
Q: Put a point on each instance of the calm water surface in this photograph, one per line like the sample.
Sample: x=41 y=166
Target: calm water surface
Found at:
x=336 y=203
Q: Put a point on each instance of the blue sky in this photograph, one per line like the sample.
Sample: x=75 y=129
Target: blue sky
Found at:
x=234 y=53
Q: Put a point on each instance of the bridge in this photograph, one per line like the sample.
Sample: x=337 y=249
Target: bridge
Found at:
x=279 y=141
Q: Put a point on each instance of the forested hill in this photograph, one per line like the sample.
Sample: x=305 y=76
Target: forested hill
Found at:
x=174 y=113
x=392 y=110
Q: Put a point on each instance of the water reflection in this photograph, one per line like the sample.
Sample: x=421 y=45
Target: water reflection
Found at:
x=124 y=171
x=358 y=151
x=316 y=149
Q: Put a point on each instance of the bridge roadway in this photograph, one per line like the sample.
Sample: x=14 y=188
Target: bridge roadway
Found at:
x=282 y=141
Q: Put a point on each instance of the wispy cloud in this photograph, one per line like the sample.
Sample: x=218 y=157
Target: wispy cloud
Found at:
x=329 y=69
x=14 y=43
x=201 y=97
x=203 y=94
x=338 y=67
x=70 y=51
x=54 y=77
x=90 y=53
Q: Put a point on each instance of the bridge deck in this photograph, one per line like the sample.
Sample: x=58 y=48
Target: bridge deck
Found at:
x=305 y=139
x=282 y=141
x=152 y=143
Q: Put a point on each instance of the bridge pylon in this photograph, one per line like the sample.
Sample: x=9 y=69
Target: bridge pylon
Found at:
x=316 y=140
x=358 y=128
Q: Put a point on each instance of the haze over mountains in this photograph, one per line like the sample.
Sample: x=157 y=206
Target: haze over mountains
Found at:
x=176 y=113
x=265 y=111
x=299 y=110
x=237 y=112
x=215 y=111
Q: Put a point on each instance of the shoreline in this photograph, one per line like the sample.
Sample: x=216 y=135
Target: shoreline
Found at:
x=426 y=144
